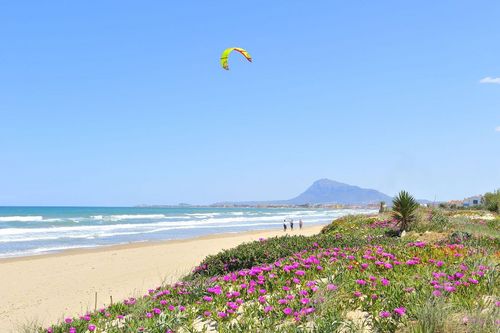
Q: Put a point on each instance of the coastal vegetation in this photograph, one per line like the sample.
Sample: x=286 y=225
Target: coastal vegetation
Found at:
x=440 y=276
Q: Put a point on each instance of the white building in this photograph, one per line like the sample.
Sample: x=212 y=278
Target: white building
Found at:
x=472 y=201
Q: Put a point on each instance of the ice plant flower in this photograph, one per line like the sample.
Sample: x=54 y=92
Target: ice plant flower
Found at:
x=91 y=328
x=400 y=311
x=384 y=314
x=331 y=287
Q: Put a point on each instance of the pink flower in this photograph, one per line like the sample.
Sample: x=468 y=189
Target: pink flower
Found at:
x=72 y=330
x=268 y=309
x=331 y=287
x=357 y=294
x=207 y=298
x=304 y=301
x=68 y=320
x=300 y=273
x=149 y=315
x=91 y=328
x=400 y=311
x=436 y=293
x=384 y=281
x=474 y=281
x=222 y=314
x=287 y=311
x=361 y=282
x=385 y=314
x=207 y=313
x=156 y=311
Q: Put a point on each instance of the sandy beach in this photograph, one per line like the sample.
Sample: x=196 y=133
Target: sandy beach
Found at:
x=47 y=288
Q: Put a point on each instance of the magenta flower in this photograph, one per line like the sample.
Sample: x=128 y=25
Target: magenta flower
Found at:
x=400 y=311
x=149 y=315
x=361 y=282
x=304 y=301
x=436 y=293
x=287 y=311
x=357 y=294
x=474 y=281
x=207 y=298
x=207 y=313
x=72 y=330
x=300 y=273
x=268 y=309
x=331 y=287
x=222 y=314
x=384 y=281
x=384 y=314
x=91 y=328
x=68 y=320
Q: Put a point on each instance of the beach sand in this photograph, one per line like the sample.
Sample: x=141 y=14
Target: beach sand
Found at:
x=46 y=288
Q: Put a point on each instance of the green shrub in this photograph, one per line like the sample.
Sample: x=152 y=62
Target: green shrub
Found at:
x=348 y=222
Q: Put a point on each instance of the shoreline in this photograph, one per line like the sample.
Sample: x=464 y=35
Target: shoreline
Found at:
x=46 y=287
x=147 y=243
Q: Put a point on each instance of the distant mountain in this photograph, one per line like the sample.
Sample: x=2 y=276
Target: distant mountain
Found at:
x=328 y=191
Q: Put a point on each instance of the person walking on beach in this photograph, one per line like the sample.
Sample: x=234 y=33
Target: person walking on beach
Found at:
x=284 y=225
x=291 y=224
x=300 y=224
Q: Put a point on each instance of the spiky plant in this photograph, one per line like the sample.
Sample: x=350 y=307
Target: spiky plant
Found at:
x=404 y=210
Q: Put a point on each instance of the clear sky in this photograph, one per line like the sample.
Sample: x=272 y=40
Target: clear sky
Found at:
x=124 y=102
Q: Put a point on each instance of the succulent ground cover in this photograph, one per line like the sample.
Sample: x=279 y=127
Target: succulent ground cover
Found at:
x=350 y=278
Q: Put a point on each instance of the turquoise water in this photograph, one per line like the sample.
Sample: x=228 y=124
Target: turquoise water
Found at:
x=38 y=230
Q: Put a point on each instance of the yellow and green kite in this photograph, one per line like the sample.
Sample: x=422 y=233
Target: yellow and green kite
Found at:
x=225 y=56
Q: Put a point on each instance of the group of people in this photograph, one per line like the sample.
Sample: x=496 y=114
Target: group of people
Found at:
x=291 y=224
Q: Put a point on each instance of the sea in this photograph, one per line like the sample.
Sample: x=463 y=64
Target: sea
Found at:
x=28 y=231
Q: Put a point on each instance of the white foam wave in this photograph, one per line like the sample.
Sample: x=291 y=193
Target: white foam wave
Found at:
x=20 y=218
x=10 y=235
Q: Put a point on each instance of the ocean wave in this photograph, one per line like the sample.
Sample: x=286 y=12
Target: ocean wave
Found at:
x=20 y=218
x=96 y=229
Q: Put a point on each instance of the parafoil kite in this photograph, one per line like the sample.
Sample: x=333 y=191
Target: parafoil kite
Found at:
x=225 y=56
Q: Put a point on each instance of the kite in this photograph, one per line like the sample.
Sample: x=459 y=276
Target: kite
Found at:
x=225 y=56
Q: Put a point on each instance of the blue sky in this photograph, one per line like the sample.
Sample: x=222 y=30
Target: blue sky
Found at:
x=124 y=102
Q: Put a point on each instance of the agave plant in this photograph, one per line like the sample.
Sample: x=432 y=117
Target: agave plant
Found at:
x=404 y=207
